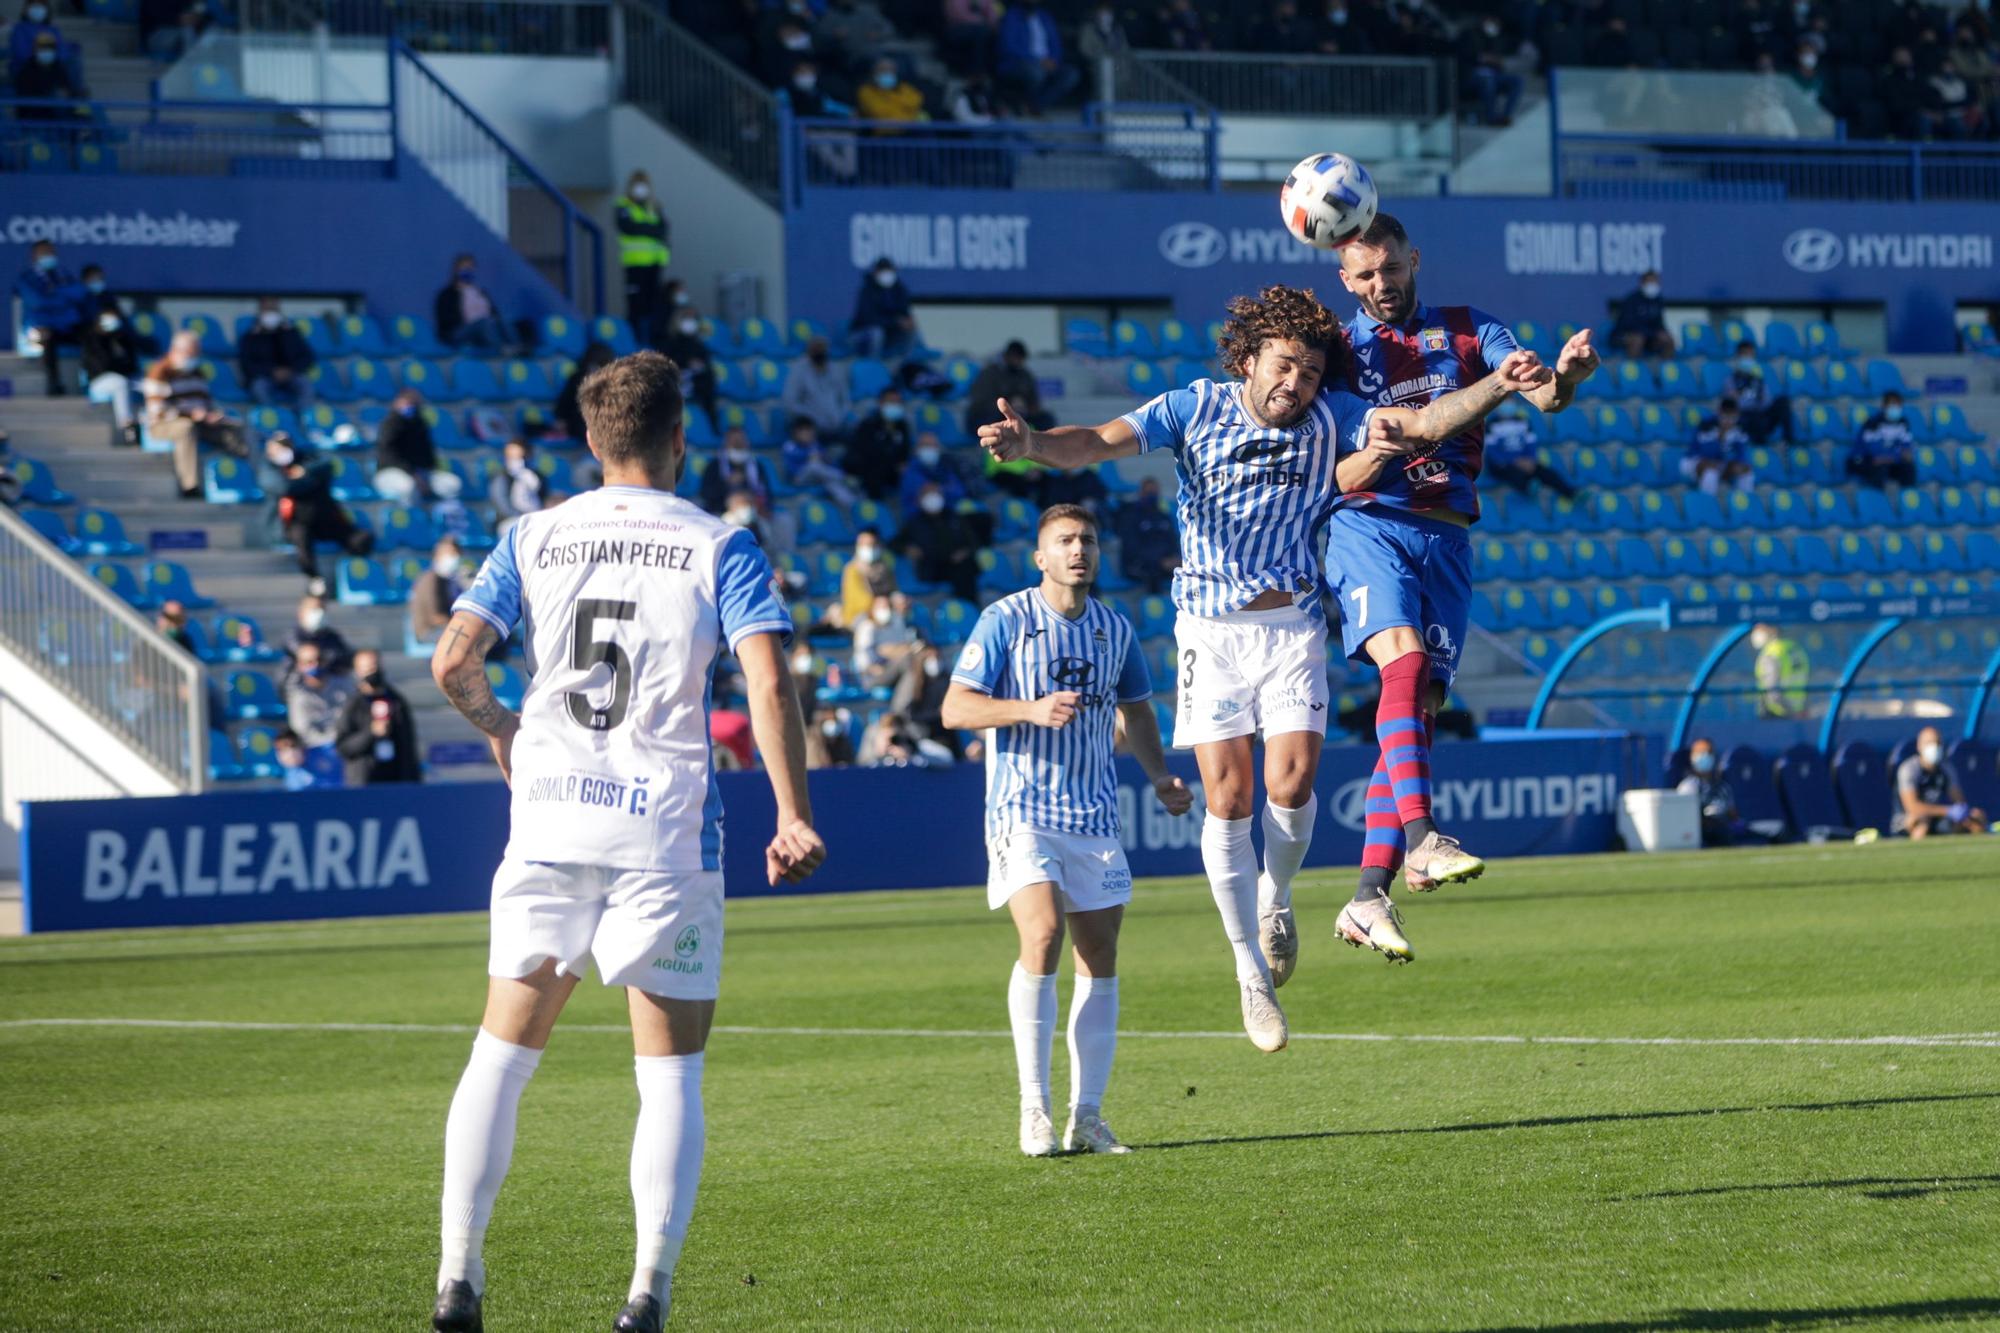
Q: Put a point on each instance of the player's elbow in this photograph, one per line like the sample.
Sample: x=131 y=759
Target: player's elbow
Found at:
x=952 y=713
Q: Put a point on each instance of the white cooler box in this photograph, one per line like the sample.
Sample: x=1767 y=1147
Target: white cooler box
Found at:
x=1659 y=820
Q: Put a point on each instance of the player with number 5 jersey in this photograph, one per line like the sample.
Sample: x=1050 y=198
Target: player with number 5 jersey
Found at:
x=1255 y=460
x=626 y=597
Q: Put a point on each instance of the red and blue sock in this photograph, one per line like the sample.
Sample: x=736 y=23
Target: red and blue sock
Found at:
x=1399 y=726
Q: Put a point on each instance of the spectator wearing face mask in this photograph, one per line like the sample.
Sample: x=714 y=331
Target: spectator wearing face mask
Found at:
x=883 y=641
x=869 y=574
x=517 y=488
x=735 y=469
x=1006 y=376
x=1482 y=53
x=97 y=294
x=643 y=252
x=27 y=32
x=883 y=325
x=568 y=414
x=1764 y=413
x=1513 y=455
x=808 y=467
x=1718 y=455
x=466 y=315
x=308 y=511
x=310 y=626
x=1721 y=826
x=435 y=590
x=786 y=43
x=940 y=544
x=889 y=97
x=919 y=696
x=406 y=457
x=879 y=449
x=1641 y=326
x=1102 y=37
x=180 y=410
x=1930 y=801
x=741 y=510
x=1884 y=450
x=51 y=309
x=1342 y=32
x=827 y=743
x=376 y=735
x=682 y=342
x=1031 y=64
x=111 y=369
x=275 y=359
x=314 y=697
x=928 y=466
x=300 y=771
x=172 y=623
x=817 y=389
x=1807 y=76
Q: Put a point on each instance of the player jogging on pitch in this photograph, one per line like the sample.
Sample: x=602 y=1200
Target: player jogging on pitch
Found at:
x=1255 y=462
x=1401 y=557
x=1048 y=672
x=629 y=595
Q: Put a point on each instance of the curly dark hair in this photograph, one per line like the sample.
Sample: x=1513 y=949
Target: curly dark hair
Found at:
x=1280 y=313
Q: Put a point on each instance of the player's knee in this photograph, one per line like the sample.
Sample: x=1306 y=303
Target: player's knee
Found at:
x=1041 y=947
x=1289 y=782
x=1097 y=958
x=1228 y=799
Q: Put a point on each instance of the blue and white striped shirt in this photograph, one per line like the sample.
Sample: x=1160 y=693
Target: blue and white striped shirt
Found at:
x=1056 y=780
x=1253 y=502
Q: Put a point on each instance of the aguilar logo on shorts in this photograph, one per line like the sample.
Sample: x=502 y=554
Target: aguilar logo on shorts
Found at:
x=689 y=943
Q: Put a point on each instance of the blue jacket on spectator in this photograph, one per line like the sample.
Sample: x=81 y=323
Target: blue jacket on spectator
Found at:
x=1880 y=437
x=941 y=474
x=21 y=44
x=52 y=300
x=880 y=307
x=1640 y=313
x=1018 y=41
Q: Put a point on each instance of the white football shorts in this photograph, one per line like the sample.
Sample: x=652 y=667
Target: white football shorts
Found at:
x=656 y=930
x=1249 y=671
x=1090 y=874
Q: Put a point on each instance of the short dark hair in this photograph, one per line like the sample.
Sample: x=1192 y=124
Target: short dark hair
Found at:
x=286 y=736
x=1057 y=513
x=40 y=242
x=632 y=408
x=801 y=422
x=869 y=530
x=1726 y=405
x=89 y=269
x=1016 y=348
x=1282 y=314
x=1742 y=343
x=1386 y=228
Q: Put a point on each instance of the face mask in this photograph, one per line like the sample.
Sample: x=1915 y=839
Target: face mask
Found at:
x=47 y=263
x=1760 y=641
x=1930 y=754
x=928 y=457
x=802 y=663
x=270 y=319
x=1337 y=17
x=1491 y=29
x=465 y=274
x=690 y=327
x=798 y=41
x=742 y=516
x=680 y=298
x=642 y=191
x=885 y=81
x=1649 y=289
x=737 y=456
x=830 y=727
x=869 y=554
x=886 y=278
x=310 y=673
x=932 y=503
x=38 y=13
x=95 y=286
x=311 y=621
x=1893 y=412
x=109 y=323
x=516 y=466
x=892 y=411
x=373 y=680
x=406 y=409
x=1807 y=60
x=1747 y=364
x=805 y=83
x=445 y=566
x=1703 y=763
x=931 y=667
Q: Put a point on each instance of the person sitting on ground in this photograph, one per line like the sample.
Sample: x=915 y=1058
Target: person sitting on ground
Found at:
x=879 y=449
x=435 y=590
x=1721 y=826
x=1006 y=376
x=1884 y=449
x=376 y=736
x=308 y=512
x=1149 y=546
x=816 y=389
x=51 y=310
x=883 y=325
x=111 y=369
x=870 y=574
x=1929 y=798
x=940 y=544
x=1764 y=412
x=406 y=457
x=309 y=627
x=1513 y=455
x=1718 y=454
x=1641 y=326
x=466 y=315
x=180 y=410
x=517 y=488
x=808 y=467
x=275 y=358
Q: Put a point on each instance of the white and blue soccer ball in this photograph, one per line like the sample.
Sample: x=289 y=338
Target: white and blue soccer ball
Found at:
x=1328 y=200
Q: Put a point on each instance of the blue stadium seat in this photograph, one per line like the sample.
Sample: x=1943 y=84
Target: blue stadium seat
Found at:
x=1615 y=425
x=821 y=523
x=1537 y=338
x=999 y=572
x=961 y=371
x=1956 y=504
x=1522 y=609
x=508 y=687
x=1155 y=617
x=528 y=380
x=946 y=424
x=1568 y=608
x=1145 y=379
x=1731 y=332
x=1948 y=420
x=1547 y=561
x=1726 y=557
x=406 y=530
x=1680 y=556
x=367 y=379
x=222 y=762
x=1978 y=767
x=616 y=334
x=50 y=527
x=1485 y=614
x=1744 y=509
x=215 y=342
x=754 y=337
x=350 y=479
x=1676 y=380
x=866 y=378
x=415 y=335
x=1772 y=555
x=1086 y=337
x=1589 y=558
x=166 y=581
x=1833 y=510
x=1658 y=510
x=767 y=378
x=1637 y=559
x=1843 y=380
x=430 y=378
x=1936 y=464
x=476 y=379
x=1631 y=379
x=1014 y=520
x=98 y=532
x=556 y=472
x=953 y=621
x=150 y=330
x=1862 y=780
x=1749 y=776
x=1702 y=510
x=873 y=514
x=1612 y=512
x=1858 y=555
x=1884 y=377
x=38 y=484
x=250 y=696
x=1498 y=560
x=1781 y=338
x=1658 y=424
x=559 y=335
x=1541 y=651
x=363 y=582
x=1942 y=554
x=1902 y=554
x=1822 y=425
x=1572 y=425
x=361 y=335
x=733 y=382
x=1916 y=508
x=1700 y=339
x=1131 y=338
x=257 y=752
x=1872 y=508
x=122 y=582
x=1181 y=339
x=1822 y=340
x=1186 y=371
x=1802 y=380
x=1606 y=600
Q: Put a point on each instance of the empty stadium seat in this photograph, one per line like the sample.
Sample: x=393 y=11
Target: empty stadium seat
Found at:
x=1978 y=767
x=1637 y=558
x=122 y=583
x=50 y=527
x=1086 y=337
x=1781 y=338
x=38 y=484
x=1806 y=789
x=215 y=341
x=251 y=695
x=1749 y=775
x=1145 y=379
x=616 y=334
x=1131 y=338
x=222 y=762
x=1177 y=338
x=1843 y=380
x=1822 y=340
x=961 y=371
x=1700 y=339
x=1861 y=779
x=364 y=582
x=98 y=532
x=953 y=621
x=559 y=335
x=361 y=335
x=867 y=377
x=415 y=335
x=166 y=581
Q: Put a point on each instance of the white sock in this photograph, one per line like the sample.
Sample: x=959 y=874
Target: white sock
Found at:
x=666 y=1165
x=1287 y=834
x=1093 y=1038
x=478 y=1145
x=1031 y=1009
x=1231 y=862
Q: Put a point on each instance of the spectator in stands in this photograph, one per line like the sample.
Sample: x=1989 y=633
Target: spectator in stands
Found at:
x=741 y=510
x=1006 y=376
x=169 y=28
x=466 y=315
x=868 y=575
x=48 y=77
x=853 y=28
x=888 y=96
x=1483 y=54
x=1102 y=36
x=1718 y=454
x=788 y=42
x=827 y=743
x=376 y=735
x=436 y=589
x=882 y=325
x=314 y=696
x=568 y=415
x=1071 y=486
x=310 y=627
x=111 y=368
x=681 y=340
x=971 y=32
x=735 y=469
x=1972 y=60
x=919 y=696
x=1641 y=326
x=1183 y=27
x=1763 y=413
x=1884 y=450
x=22 y=39
x=517 y=488
x=1513 y=455
x=299 y=774
x=1342 y=32
x=1807 y=76
x=172 y=622
x=1782 y=670
x=1904 y=96
x=807 y=466
x=1953 y=112
x=817 y=390
x=1929 y=797
x=1282 y=31
x=180 y=410
x=275 y=359
x=1149 y=548
x=879 y=449
x=940 y=544
x=884 y=639
x=51 y=309
x=97 y=294
x=406 y=458
x=929 y=466
x=1031 y=65
x=309 y=515
x=643 y=253
x=1721 y=826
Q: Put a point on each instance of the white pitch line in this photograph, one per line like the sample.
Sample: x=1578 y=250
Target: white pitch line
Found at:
x=1960 y=1040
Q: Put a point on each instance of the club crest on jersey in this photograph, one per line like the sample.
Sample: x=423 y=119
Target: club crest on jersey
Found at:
x=1434 y=340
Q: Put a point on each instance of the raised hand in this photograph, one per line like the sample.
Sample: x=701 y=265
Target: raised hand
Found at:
x=1008 y=438
x=1577 y=361
x=794 y=854
x=1054 y=710
x=1523 y=370
x=1385 y=435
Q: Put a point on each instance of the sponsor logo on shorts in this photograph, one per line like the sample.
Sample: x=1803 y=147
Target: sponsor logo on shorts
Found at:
x=686 y=945
x=689 y=943
x=1225 y=709
x=1106 y=856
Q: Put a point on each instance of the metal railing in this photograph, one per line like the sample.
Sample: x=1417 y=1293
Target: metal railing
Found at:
x=1609 y=166
x=103 y=655
x=198 y=138
x=1372 y=87
x=487 y=27
x=679 y=80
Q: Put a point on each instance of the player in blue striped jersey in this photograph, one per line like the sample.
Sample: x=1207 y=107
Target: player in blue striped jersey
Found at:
x=1255 y=459
x=1050 y=672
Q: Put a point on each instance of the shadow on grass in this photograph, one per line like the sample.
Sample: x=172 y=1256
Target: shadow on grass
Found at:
x=1903 y=1312
x=1561 y=1121
x=1874 y=1187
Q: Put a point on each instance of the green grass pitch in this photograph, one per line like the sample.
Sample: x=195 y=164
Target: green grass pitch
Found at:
x=224 y=1178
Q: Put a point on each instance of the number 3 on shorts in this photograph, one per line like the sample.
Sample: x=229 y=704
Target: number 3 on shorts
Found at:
x=1360 y=599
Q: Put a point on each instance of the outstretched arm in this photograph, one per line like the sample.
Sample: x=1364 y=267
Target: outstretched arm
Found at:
x=1576 y=363
x=1397 y=432
x=1142 y=738
x=1011 y=438
x=459 y=667
x=780 y=733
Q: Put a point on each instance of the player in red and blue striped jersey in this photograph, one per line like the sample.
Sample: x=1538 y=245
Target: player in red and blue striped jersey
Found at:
x=1401 y=559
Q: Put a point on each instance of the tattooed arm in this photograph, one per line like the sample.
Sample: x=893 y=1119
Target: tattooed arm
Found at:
x=459 y=668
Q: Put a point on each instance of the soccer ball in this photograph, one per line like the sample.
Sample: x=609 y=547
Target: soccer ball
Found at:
x=1328 y=200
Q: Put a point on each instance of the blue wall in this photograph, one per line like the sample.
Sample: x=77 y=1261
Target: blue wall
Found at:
x=272 y=856
x=1541 y=259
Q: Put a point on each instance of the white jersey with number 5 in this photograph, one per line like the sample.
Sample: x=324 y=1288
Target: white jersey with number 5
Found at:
x=626 y=596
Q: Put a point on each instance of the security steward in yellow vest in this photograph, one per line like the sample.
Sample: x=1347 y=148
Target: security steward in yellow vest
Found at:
x=642 y=250
x=1783 y=671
